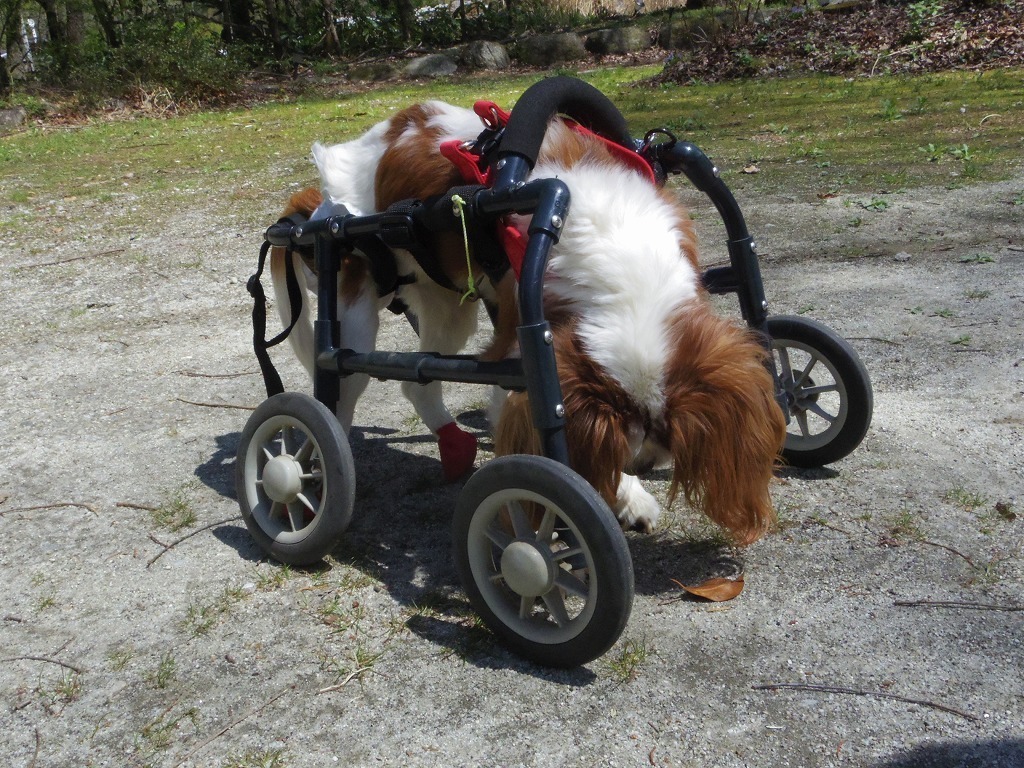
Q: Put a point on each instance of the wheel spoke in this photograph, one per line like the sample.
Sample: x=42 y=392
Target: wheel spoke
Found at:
x=306 y=502
x=787 y=367
x=304 y=451
x=275 y=509
x=547 y=526
x=314 y=476
x=498 y=537
x=526 y=607
x=820 y=389
x=556 y=607
x=267 y=452
x=801 y=419
x=292 y=515
x=819 y=411
x=572 y=585
x=565 y=554
x=806 y=371
x=520 y=521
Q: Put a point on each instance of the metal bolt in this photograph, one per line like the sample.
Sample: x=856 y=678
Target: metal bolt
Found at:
x=753 y=246
x=500 y=164
x=764 y=305
x=714 y=171
x=335 y=227
x=556 y=221
x=549 y=337
x=297 y=232
x=559 y=410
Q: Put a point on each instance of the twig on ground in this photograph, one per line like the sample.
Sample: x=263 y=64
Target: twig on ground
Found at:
x=173 y=544
x=35 y=754
x=233 y=723
x=198 y=375
x=73 y=258
x=59 y=505
x=12 y=617
x=950 y=550
x=216 y=405
x=346 y=681
x=46 y=659
x=879 y=339
x=957 y=604
x=130 y=505
x=860 y=692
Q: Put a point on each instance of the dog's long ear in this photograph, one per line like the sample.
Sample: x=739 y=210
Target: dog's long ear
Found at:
x=724 y=428
x=597 y=413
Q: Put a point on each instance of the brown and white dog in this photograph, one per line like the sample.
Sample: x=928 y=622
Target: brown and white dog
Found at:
x=650 y=375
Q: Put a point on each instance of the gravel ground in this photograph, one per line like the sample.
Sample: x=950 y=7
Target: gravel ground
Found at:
x=124 y=377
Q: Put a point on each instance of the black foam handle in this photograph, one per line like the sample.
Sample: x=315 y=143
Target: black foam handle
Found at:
x=560 y=95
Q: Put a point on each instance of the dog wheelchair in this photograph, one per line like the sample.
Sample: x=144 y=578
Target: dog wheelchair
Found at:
x=539 y=553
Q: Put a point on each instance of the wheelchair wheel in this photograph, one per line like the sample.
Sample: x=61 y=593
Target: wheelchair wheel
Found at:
x=827 y=390
x=295 y=478
x=543 y=560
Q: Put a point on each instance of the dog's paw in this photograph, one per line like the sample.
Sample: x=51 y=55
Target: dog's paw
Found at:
x=635 y=508
x=458 y=451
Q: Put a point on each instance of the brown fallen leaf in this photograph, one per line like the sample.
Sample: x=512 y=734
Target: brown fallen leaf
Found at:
x=717 y=589
x=751 y=169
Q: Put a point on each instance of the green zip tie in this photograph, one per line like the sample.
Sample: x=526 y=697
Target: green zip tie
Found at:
x=458 y=204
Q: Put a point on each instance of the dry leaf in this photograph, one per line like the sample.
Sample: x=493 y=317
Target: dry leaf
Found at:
x=751 y=169
x=717 y=589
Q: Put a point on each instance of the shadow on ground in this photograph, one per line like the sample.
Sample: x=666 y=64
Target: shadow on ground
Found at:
x=1003 y=753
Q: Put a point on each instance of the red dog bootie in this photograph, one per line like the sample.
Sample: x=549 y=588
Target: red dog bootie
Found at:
x=458 y=451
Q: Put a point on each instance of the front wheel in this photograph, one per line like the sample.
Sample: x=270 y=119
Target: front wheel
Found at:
x=295 y=478
x=543 y=560
x=826 y=388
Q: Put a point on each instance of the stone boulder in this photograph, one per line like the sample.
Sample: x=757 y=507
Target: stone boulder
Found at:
x=545 y=50
x=431 y=65
x=486 y=54
x=374 y=72
x=618 y=41
x=12 y=118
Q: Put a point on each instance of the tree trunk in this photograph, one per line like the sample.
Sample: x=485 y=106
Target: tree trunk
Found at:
x=274 y=28
x=406 y=18
x=105 y=18
x=237 y=21
x=331 y=42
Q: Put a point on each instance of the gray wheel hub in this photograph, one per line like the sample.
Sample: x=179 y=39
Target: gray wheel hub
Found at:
x=527 y=570
x=282 y=479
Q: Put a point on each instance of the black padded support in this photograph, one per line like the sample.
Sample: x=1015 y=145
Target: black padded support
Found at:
x=560 y=95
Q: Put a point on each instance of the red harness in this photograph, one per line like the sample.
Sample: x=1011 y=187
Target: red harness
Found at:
x=473 y=166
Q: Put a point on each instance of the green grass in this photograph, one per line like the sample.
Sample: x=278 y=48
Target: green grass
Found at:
x=623 y=663
x=820 y=134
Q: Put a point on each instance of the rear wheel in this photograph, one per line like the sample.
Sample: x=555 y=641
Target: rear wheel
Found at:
x=826 y=387
x=295 y=478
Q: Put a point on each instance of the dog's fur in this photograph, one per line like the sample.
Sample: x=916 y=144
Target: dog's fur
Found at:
x=650 y=375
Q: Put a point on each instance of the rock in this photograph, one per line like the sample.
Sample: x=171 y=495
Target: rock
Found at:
x=545 y=50
x=486 y=54
x=374 y=72
x=13 y=117
x=902 y=256
x=617 y=41
x=431 y=65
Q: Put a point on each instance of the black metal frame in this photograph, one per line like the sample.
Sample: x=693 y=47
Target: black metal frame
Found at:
x=548 y=200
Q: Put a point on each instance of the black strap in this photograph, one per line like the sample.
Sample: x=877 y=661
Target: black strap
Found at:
x=271 y=379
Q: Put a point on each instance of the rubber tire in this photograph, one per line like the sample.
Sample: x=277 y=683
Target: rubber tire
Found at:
x=592 y=525
x=334 y=513
x=790 y=330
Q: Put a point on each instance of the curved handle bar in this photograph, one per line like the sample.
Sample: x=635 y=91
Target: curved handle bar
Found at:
x=539 y=103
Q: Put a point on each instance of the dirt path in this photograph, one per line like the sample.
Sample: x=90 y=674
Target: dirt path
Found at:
x=124 y=374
